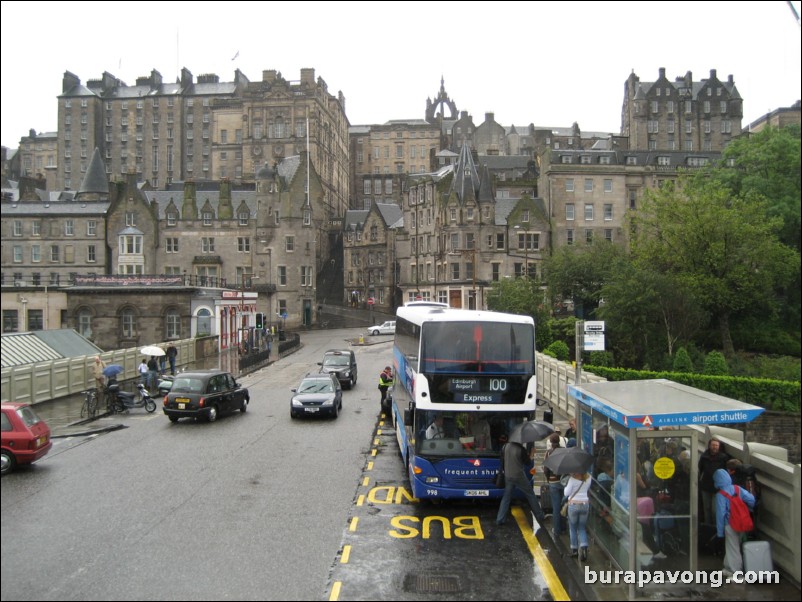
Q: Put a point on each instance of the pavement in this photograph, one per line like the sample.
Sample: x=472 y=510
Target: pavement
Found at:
x=63 y=417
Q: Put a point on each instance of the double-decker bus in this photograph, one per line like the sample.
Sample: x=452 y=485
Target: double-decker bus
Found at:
x=463 y=380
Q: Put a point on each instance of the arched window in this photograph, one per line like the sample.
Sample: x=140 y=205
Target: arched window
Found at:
x=204 y=322
x=85 y=323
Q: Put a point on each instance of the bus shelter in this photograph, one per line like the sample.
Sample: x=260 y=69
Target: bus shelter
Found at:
x=644 y=493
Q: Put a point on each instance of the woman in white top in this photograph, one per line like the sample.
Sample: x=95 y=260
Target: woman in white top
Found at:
x=576 y=492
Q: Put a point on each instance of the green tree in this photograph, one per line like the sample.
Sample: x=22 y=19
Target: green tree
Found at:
x=682 y=361
x=579 y=272
x=645 y=309
x=522 y=296
x=720 y=246
x=768 y=163
x=715 y=364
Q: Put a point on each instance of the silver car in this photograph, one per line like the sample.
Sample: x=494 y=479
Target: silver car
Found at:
x=386 y=328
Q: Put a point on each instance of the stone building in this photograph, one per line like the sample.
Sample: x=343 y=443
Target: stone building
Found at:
x=683 y=115
x=38 y=157
x=202 y=129
x=135 y=266
x=383 y=155
x=458 y=237
x=588 y=193
x=778 y=118
x=370 y=256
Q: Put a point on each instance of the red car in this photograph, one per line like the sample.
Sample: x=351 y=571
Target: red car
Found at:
x=26 y=437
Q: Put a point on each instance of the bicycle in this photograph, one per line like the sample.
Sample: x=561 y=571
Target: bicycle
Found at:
x=89 y=407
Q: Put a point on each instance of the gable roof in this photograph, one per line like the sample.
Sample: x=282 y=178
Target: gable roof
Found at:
x=22 y=348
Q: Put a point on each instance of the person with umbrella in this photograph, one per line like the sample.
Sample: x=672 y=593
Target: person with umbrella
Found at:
x=514 y=459
x=575 y=462
x=555 y=487
x=153 y=372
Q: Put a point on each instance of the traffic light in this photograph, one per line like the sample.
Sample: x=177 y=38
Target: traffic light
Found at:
x=260 y=320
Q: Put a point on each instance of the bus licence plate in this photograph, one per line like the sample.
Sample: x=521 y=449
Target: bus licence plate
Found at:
x=477 y=492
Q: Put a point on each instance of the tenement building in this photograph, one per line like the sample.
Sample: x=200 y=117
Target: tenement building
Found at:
x=202 y=129
x=126 y=266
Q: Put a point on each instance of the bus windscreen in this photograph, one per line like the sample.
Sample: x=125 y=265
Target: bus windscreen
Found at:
x=477 y=347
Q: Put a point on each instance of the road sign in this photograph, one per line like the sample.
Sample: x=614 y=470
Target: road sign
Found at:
x=371 y=301
x=594 y=341
x=594 y=326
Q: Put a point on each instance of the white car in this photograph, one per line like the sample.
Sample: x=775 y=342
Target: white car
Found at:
x=386 y=328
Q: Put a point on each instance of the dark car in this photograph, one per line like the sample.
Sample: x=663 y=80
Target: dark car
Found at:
x=206 y=393
x=25 y=436
x=317 y=394
x=341 y=363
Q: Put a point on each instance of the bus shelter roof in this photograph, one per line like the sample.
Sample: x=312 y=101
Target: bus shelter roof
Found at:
x=661 y=402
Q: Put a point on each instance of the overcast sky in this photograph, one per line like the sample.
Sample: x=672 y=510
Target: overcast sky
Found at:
x=547 y=63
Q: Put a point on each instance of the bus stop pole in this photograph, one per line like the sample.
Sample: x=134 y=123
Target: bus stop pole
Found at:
x=579 y=343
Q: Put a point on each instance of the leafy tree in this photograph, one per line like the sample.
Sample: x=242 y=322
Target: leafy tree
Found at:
x=522 y=296
x=579 y=272
x=682 y=361
x=715 y=364
x=721 y=247
x=645 y=309
x=768 y=163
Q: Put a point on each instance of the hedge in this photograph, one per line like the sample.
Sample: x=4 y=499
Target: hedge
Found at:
x=771 y=394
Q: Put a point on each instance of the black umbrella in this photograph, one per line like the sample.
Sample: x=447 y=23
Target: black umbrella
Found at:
x=568 y=460
x=529 y=431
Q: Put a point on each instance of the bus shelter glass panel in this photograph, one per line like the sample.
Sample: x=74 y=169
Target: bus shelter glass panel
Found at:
x=609 y=491
x=664 y=475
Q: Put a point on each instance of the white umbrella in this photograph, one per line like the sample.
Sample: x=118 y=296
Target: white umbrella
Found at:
x=151 y=350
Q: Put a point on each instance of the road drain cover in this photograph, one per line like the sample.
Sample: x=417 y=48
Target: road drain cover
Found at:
x=431 y=584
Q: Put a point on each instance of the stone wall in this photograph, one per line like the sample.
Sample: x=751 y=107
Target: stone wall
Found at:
x=776 y=428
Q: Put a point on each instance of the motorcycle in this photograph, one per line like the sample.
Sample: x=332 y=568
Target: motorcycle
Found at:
x=120 y=401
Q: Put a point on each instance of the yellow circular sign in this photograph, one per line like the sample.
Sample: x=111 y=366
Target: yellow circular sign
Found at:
x=664 y=468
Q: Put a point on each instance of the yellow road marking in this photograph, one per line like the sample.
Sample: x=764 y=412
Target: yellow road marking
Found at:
x=365 y=481
x=346 y=555
x=354 y=523
x=370 y=465
x=360 y=500
x=335 y=591
x=544 y=564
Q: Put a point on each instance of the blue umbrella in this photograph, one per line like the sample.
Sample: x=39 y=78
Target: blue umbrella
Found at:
x=112 y=370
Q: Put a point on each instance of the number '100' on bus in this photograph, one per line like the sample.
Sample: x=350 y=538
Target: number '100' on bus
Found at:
x=463 y=380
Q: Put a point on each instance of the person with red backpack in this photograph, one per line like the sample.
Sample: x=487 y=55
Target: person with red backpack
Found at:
x=733 y=520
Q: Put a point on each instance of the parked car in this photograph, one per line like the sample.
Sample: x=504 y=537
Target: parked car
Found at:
x=205 y=393
x=317 y=394
x=25 y=436
x=386 y=328
x=341 y=363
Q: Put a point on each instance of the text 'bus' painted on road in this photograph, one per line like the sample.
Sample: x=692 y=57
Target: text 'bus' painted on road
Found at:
x=465 y=527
